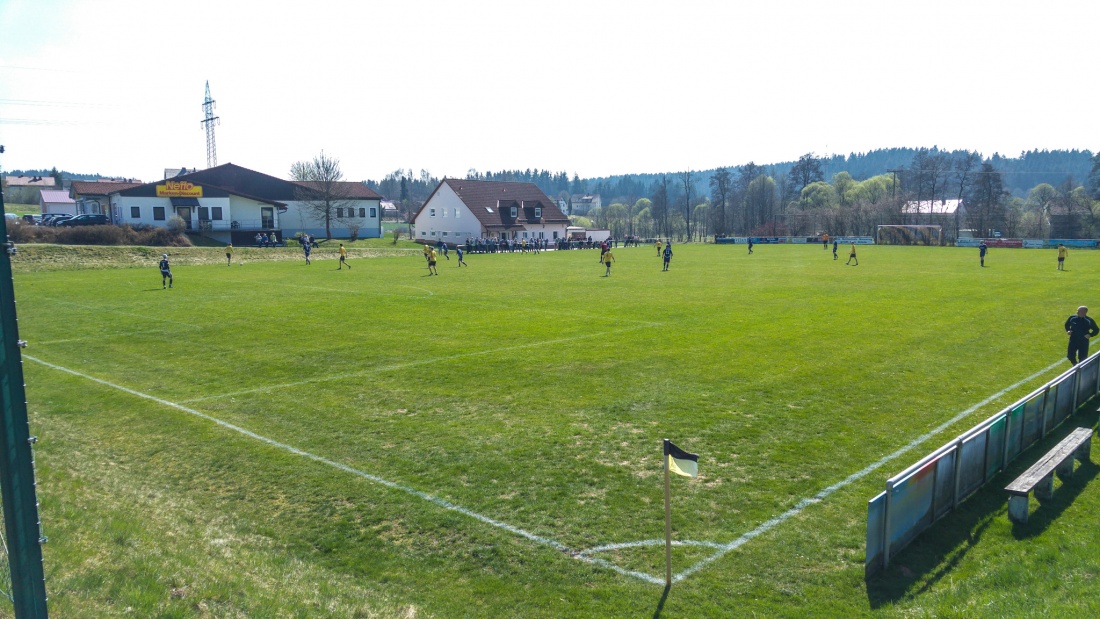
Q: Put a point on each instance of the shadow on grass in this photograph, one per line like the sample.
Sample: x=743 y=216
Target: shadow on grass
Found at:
x=661 y=604
x=940 y=548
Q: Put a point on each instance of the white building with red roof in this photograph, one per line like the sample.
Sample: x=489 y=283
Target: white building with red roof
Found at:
x=462 y=209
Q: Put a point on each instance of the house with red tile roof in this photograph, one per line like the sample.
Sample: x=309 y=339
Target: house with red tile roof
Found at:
x=461 y=209
x=94 y=196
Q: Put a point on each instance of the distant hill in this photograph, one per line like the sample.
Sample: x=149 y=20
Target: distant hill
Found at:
x=1020 y=173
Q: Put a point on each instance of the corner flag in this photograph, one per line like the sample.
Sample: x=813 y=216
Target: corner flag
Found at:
x=680 y=461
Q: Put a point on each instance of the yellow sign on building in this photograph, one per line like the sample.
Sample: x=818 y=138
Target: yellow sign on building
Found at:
x=179 y=189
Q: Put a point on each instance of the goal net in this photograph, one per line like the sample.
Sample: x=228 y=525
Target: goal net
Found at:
x=908 y=235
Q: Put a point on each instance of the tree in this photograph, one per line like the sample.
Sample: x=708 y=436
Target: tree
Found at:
x=721 y=189
x=686 y=181
x=1040 y=199
x=806 y=171
x=1094 y=178
x=986 y=201
x=660 y=206
x=320 y=188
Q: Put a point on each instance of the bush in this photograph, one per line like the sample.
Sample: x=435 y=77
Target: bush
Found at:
x=98 y=235
x=177 y=224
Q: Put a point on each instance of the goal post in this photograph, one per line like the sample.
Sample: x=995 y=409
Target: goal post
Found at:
x=908 y=235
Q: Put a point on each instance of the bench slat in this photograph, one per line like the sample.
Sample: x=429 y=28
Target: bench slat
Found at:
x=1030 y=478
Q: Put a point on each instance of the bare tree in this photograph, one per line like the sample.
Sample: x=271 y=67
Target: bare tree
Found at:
x=321 y=188
x=685 y=179
x=721 y=186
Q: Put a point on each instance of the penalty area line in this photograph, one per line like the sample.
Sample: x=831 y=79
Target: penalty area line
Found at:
x=443 y=503
x=820 y=496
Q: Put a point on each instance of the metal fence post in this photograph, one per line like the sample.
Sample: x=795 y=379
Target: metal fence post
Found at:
x=17 y=485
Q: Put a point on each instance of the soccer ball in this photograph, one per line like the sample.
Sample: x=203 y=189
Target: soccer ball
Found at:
x=240 y=262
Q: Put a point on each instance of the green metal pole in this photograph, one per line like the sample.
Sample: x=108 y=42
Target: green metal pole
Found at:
x=17 y=485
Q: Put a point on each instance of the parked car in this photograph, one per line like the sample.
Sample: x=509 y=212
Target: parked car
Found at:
x=56 y=219
x=86 y=219
x=32 y=219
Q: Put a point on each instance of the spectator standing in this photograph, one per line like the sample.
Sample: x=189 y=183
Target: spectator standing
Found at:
x=1080 y=328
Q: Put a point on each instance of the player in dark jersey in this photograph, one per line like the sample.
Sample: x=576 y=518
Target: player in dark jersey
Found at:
x=165 y=272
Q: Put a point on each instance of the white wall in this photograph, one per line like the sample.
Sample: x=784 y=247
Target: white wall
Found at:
x=299 y=218
x=430 y=223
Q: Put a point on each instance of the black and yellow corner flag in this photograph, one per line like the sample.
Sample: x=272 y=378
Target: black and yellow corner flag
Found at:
x=680 y=461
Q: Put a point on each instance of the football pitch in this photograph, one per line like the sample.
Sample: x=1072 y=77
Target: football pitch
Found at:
x=274 y=439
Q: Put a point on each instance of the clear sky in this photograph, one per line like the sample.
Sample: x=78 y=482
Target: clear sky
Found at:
x=591 y=87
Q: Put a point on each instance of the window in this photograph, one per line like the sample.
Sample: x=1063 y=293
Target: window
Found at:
x=489 y=209
x=524 y=235
x=433 y=232
x=339 y=213
x=515 y=211
x=442 y=212
x=158 y=213
x=363 y=212
x=135 y=212
x=538 y=212
x=422 y=233
x=555 y=234
x=443 y=233
x=373 y=212
x=204 y=213
x=431 y=212
x=216 y=213
x=457 y=213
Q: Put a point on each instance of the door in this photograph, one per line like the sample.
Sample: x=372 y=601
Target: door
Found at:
x=185 y=214
x=267 y=216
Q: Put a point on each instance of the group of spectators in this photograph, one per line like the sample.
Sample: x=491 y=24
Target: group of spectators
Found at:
x=265 y=240
x=493 y=245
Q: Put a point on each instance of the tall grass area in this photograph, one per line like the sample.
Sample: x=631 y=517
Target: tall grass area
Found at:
x=532 y=392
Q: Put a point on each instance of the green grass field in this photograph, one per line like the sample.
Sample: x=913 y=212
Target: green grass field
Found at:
x=282 y=440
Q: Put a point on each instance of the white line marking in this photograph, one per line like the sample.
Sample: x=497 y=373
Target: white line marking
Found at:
x=584 y=555
x=409 y=364
x=538 y=539
x=817 y=498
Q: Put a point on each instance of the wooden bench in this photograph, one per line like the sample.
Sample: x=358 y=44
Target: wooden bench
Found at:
x=1040 y=477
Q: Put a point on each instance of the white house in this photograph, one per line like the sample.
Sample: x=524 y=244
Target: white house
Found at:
x=56 y=201
x=463 y=209
x=232 y=204
x=94 y=196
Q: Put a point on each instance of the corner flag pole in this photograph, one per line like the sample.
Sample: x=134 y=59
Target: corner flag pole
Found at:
x=668 y=522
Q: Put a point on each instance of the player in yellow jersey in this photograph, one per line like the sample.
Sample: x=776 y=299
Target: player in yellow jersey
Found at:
x=431 y=263
x=343 y=257
x=229 y=255
x=1062 y=257
x=607 y=259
